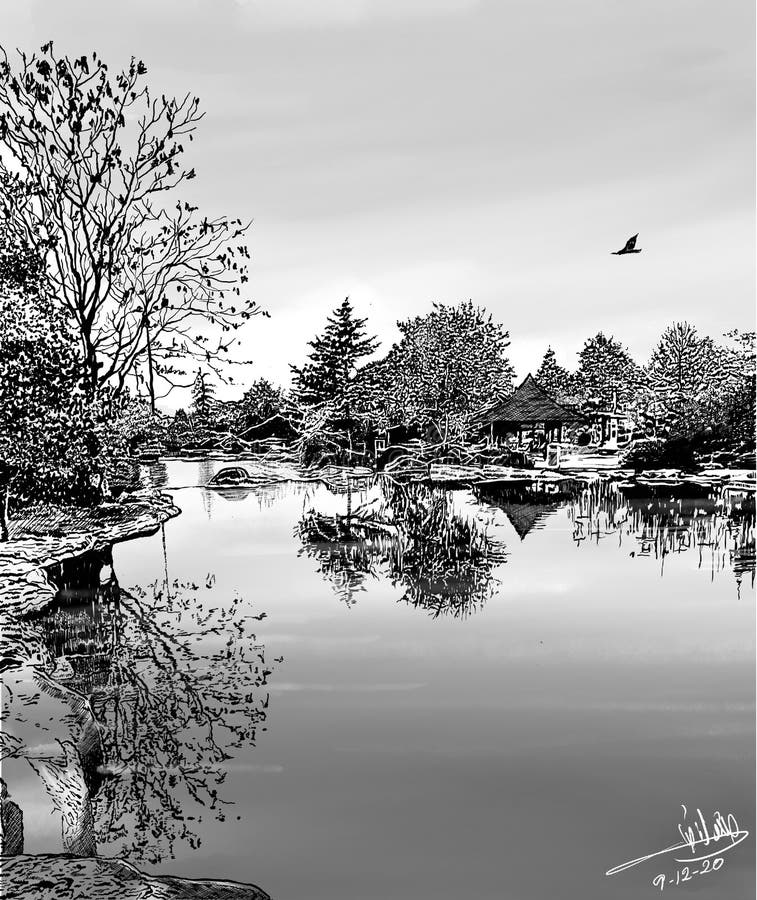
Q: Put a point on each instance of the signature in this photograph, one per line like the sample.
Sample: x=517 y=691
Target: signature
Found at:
x=717 y=836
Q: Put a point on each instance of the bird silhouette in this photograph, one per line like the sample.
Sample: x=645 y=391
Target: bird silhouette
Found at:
x=630 y=247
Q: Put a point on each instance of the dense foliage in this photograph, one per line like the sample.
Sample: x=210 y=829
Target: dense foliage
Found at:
x=51 y=432
x=606 y=372
x=556 y=380
x=446 y=366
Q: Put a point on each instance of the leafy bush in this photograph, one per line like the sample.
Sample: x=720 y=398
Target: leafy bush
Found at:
x=658 y=453
x=51 y=432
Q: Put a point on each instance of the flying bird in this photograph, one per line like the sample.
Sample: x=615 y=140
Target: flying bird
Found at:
x=630 y=247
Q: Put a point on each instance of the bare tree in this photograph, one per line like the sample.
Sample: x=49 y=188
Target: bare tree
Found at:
x=87 y=161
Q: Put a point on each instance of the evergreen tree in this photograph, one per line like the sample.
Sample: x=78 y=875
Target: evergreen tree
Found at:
x=556 y=380
x=179 y=430
x=333 y=360
x=203 y=398
x=260 y=402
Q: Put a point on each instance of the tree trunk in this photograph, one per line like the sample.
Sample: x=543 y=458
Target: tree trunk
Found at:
x=151 y=382
x=91 y=369
x=4 y=500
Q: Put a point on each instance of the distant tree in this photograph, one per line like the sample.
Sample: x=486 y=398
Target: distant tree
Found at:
x=371 y=394
x=723 y=415
x=737 y=360
x=224 y=415
x=259 y=403
x=742 y=352
x=682 y=369
x=731 y=415
x=135 y=422
x=89 y=163
x=606 y=369
x=446 y=366
x=179 y=430
x=557 y=381
x=203 y=398
x=334 y=358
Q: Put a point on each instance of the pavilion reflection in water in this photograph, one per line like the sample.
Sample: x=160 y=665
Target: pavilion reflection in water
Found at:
x=446 y=561
x=528 y=506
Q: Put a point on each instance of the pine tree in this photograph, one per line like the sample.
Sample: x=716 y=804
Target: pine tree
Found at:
x=333 y=360
x=259 y=402
x=203 y=398
x=556 y=380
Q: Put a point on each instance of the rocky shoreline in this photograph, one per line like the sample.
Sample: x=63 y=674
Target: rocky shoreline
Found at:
x=61 y=877
x=46 y=536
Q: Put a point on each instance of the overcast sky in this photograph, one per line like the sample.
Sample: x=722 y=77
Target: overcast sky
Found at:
x=406 y=151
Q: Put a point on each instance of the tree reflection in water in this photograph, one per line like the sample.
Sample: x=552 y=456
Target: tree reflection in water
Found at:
x=445 y=560
x=720 y=528
x=172 y=685
x=414 y=535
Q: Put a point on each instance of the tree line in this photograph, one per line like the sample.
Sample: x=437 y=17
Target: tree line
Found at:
x=451 y=363
x=115 y=289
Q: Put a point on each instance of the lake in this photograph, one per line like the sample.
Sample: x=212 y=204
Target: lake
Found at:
x=470 y=693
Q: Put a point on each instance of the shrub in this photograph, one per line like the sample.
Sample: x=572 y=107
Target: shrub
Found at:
x=658 y=453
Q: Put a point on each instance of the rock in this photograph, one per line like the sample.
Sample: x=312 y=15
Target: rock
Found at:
x=52 y=877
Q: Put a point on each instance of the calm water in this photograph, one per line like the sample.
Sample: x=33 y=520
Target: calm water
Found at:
x=492 y=696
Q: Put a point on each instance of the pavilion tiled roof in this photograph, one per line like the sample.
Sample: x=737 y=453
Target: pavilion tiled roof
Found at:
x=529 y=403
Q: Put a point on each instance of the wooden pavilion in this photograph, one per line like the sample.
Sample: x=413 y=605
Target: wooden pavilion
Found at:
x=529 y=418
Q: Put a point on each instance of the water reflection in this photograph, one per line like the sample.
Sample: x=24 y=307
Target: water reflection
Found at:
x=720 y=528
x=392 y=685
x=528 y=507
x=153 y=475
x=437 y=548
x=441 y=555
x=265 y=495
x=129 y=704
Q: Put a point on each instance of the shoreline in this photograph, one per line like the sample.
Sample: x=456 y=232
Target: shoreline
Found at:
x=54 y=876
x=46 y=536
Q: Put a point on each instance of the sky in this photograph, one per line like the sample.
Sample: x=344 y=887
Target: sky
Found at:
x=403 y=152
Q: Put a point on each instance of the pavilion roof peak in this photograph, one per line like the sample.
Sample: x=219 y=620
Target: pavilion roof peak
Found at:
x=529 y=402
